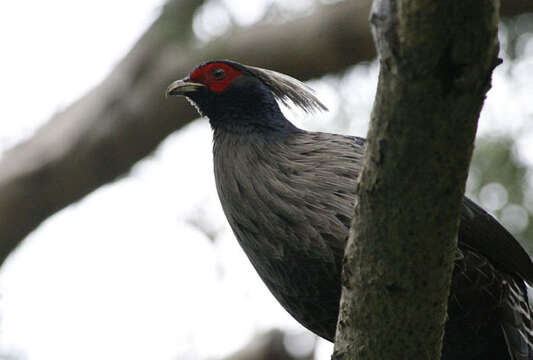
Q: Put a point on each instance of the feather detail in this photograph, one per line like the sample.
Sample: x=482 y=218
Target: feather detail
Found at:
x=289 y=90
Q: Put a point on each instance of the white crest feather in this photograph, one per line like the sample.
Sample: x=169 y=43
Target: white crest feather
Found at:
x=289 y=90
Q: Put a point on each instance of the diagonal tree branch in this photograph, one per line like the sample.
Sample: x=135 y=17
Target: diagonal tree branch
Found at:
x=100 y=137
x=436 y=60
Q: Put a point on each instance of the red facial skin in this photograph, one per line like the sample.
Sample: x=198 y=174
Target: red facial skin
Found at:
x=213 y=78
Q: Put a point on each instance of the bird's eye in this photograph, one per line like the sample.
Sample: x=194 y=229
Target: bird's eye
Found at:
x=218 y=73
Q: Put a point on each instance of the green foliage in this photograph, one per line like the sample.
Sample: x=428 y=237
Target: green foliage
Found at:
x=498 y=182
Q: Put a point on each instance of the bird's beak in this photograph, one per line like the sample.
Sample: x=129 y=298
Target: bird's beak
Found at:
x=182 y=87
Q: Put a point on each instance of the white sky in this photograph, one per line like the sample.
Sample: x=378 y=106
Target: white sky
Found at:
x=122 y=274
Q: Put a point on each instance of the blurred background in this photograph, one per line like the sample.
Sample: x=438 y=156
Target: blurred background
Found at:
x=145 y=266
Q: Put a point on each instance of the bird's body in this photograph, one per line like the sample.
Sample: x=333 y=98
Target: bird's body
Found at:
x=281 y=230
x=289 y=194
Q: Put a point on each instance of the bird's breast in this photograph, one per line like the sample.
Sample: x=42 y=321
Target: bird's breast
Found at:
x=289 y=203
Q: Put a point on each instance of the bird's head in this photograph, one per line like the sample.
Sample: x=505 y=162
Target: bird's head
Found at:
x=235 y=96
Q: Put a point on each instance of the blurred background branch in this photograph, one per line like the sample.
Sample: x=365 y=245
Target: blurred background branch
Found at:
x=272 y=345
x=100 y=136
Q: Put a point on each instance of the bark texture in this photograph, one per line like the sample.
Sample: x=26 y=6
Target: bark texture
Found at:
x=104 y=133
x=436 y=60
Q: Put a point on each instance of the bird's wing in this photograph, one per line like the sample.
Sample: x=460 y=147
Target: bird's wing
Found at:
x=482 y=232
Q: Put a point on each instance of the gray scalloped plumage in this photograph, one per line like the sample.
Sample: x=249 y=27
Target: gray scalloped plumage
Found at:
x=288 y=195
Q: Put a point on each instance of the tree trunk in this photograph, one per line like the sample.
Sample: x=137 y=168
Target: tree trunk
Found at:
x=436 y=59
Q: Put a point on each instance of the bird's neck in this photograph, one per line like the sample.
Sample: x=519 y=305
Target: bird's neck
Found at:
x=250 y=111
x=258 y=125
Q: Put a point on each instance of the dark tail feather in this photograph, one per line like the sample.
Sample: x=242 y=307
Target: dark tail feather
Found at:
x=517 y=320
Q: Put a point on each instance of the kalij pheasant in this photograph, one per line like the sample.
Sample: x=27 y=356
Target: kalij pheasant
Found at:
x=288 y=195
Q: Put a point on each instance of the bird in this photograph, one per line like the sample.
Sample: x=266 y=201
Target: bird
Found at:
x=288 y=195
